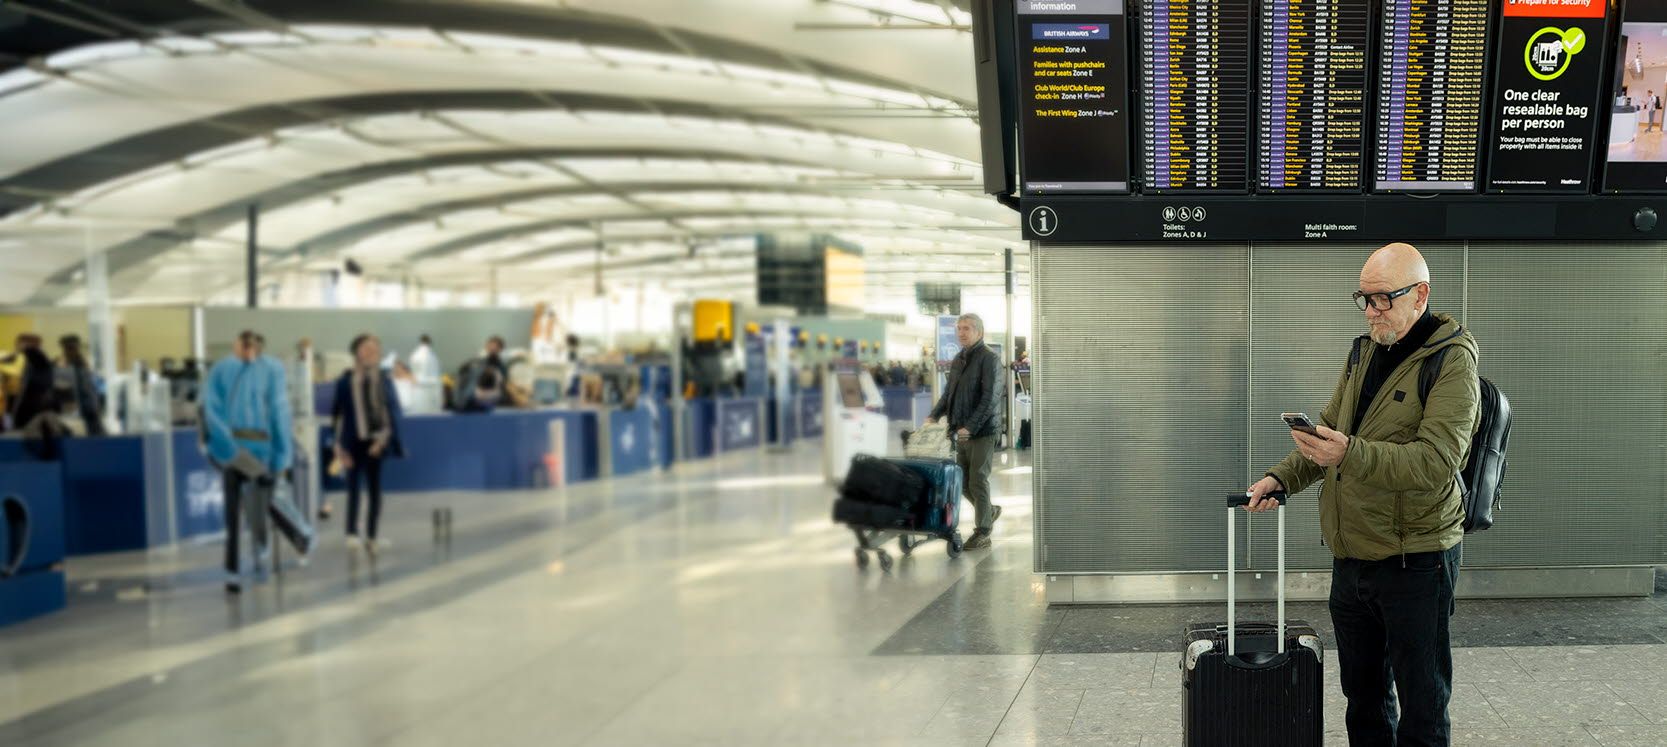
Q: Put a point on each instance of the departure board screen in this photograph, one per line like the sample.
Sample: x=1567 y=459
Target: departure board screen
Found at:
x=1074 y=96
x=1432 y=55
x=1195 y=107
x=1312 y=96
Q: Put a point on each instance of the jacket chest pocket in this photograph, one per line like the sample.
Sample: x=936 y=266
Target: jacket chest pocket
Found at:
x=1397 y=421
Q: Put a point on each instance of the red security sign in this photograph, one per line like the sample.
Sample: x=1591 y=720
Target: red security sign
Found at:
x=1555 y=8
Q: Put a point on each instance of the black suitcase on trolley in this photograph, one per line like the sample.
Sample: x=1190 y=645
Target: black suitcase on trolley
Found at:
x=883 y=481
x=1256 y=683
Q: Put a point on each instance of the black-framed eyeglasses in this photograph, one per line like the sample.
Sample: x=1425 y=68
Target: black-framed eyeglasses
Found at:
x=1381 y=301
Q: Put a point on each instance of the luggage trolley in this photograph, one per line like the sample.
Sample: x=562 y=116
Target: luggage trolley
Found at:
x=936 y=519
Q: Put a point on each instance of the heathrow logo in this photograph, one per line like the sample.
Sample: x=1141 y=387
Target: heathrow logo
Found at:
x=1550 y=49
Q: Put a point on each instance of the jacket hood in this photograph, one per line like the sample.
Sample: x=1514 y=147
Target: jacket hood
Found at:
x=1450 y=333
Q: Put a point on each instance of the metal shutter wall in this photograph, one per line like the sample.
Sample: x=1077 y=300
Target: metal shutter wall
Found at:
x=1575 y=335
x=1140 y=414
x=1148 y=404
x=1302 y=323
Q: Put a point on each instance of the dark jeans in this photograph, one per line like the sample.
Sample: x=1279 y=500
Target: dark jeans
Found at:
x=1391 y=624
x=243 y=499
x=369 y=469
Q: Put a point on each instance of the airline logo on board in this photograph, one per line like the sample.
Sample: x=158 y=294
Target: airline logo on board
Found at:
x=1071 y=31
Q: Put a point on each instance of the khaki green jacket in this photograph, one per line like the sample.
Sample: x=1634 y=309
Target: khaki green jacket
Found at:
x=1396 y=491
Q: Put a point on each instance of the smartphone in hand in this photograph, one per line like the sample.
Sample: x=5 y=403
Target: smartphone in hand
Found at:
x=1300 y=422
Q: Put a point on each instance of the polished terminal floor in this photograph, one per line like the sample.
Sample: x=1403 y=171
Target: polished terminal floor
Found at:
x=713 y=605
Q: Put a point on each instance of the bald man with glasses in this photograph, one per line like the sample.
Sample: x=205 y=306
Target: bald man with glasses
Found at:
x=1391 y=507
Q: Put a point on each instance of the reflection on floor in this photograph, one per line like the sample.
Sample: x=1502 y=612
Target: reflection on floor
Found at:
x=715 y=605
x=1647 y=146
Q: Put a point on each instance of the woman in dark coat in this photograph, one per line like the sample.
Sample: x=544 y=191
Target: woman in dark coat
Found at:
x=366 y=419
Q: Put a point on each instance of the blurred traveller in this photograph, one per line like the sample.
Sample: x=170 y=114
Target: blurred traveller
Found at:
x=972 y=403
x=486 y=394
x=12 y=367
x=77 y=388
x=405 y=384
x=1390 y=508
x=367 y=430
x=427 y=372
x=35 y=408
x=469 y=376
x=899 y=377
x=246 y=418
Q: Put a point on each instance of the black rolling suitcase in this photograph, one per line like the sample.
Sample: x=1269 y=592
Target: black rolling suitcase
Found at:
x=1256 y=683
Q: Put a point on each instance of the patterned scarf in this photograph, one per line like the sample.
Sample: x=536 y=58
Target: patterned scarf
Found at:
x=378 y=405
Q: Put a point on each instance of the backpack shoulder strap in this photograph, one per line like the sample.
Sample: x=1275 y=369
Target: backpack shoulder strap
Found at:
x=1429 y=372
x=1354 y=356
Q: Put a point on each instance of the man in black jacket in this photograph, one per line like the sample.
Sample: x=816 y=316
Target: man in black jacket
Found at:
x=973 y=404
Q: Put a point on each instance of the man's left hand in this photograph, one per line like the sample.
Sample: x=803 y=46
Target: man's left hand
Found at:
x=1326 y=450
x=963 y=434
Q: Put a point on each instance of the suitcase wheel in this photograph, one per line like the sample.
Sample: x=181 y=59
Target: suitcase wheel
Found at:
x=885 y=560
x=955 y=545
x=904 y=544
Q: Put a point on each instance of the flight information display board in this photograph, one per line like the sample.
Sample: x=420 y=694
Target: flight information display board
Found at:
x=1312 y=97
x=1074 y=95
x=1432 y=54
x=1195 y=108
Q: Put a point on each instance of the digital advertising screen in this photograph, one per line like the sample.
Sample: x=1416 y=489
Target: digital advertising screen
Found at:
x=1635 y=160
x=1548 y=95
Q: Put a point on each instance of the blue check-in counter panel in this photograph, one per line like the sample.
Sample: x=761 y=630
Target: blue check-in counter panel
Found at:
x=907 y=405
x=503 y=450
x=701 y=414
x=639 y=439
x=31 y=539
x=102 y=484
x=740 y=423
x=810 y=415
x=719 y=425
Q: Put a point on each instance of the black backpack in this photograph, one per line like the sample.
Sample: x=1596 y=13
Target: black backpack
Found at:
x=1484 y=469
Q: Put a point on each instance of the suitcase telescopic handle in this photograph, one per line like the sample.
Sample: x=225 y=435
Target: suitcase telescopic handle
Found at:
x=1243 y=499
x=1234 y=502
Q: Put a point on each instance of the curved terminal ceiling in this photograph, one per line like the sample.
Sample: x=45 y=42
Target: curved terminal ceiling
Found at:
x=150 y=147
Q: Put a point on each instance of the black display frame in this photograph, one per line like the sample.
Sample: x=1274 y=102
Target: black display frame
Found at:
x=1375 y=218
x=1015 y=42
x=1601 y=163
x=1365 y=218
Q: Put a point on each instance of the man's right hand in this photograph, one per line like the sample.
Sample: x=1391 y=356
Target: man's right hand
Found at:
x=1258 y=503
